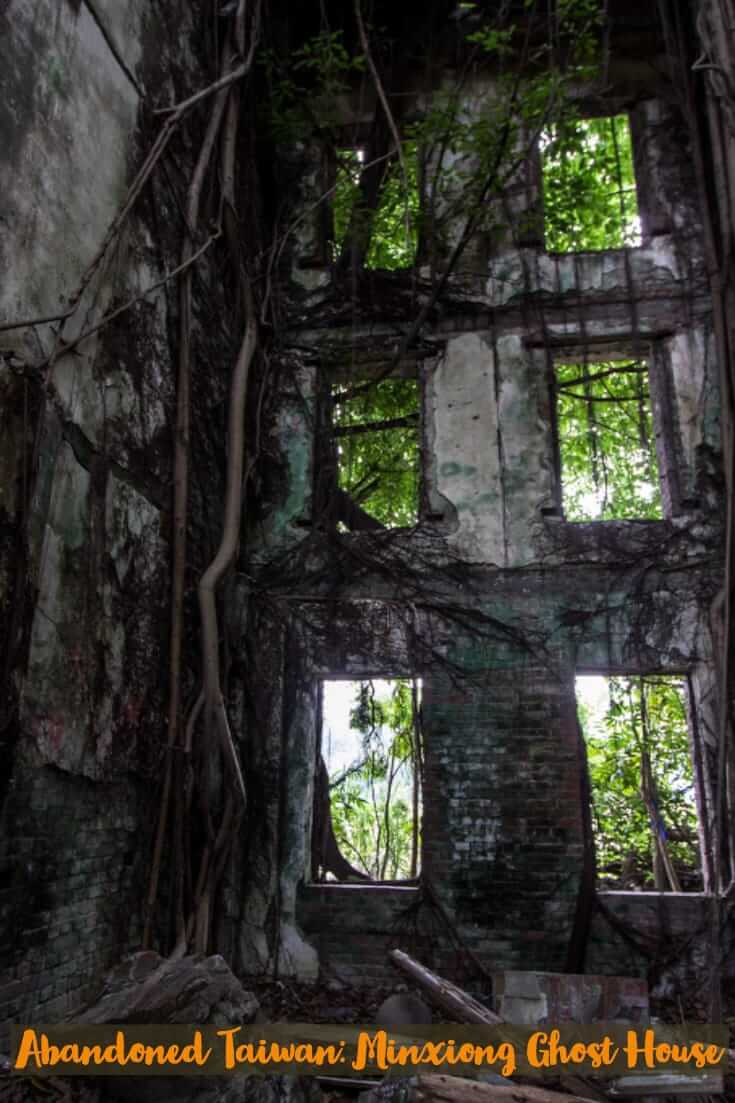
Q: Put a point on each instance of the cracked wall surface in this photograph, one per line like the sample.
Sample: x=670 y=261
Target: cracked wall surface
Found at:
x=494 y=599
x=85 y=483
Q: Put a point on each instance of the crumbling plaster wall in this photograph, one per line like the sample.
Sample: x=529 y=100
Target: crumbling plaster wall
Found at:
x=547 y=598
x=85 y=481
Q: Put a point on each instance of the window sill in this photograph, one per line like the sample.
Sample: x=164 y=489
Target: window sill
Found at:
x=556 y=254
x=362 y=886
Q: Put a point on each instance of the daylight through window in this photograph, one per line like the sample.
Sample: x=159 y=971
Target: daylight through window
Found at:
x=607 y=449
x=376 y=435
x=590 y=199
x=394 y=226
x=370 y=747
x=644 y=816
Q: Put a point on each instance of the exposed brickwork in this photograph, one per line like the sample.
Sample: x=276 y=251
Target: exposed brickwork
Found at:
x=502 y=832
x=660 y=935
x=71 y=886
x=354 y=928
x=502 y=828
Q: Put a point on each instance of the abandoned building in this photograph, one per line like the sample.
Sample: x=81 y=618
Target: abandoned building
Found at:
x=366 y=493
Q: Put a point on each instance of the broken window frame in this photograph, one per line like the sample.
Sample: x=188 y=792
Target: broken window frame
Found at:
x=345 y=511
x=586 y=115
x=697 y=772
x=408 y=211
x=328 y=849
x=586 y=359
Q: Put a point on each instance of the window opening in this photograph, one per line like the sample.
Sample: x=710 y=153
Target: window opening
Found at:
x=590 y=197
x=377 y=444
x=609 y=469
x=370 y=748
x=393 y=242
x=644 y=817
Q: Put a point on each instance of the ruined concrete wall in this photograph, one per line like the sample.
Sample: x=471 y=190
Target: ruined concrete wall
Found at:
x=503 y=839
x=85 y=480
x=495 y=600
x=354 y=929
x=665 y=938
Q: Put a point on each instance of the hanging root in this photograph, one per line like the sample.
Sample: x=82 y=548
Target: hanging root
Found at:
x=222 y=127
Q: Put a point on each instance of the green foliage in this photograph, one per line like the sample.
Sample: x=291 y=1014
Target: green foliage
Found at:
x=379 y=468
x=472 y=151
x=304 y=88
x=644 y=714
x=465 y=158
x=372 y=807
x=608 y=458
x=393 y=241
x=590 y=199
x=346 y=191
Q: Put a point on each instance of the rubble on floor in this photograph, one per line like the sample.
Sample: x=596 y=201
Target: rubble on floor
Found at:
x=147 y=988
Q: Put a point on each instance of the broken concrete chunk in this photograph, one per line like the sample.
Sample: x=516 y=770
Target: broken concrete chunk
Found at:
x=513 y=983
x=402 y=1010
x=147 y=988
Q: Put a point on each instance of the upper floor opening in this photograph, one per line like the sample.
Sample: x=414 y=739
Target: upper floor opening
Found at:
x=606 y=441
x=376 y=452
x=589 y=185
x=392 y=226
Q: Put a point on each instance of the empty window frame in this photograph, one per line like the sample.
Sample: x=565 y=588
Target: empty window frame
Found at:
x=607 y=450
x=394 y=224
x=590 y=197
x=370 y=747
x=376 y=434
x=644 y=816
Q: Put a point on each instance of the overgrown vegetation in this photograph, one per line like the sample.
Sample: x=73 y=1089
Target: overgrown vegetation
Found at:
x=590 y=199
x=394 y=225
x=608 y=455
x=376 y=435
x=375 y=802
x=644 y=813
x=304 y=88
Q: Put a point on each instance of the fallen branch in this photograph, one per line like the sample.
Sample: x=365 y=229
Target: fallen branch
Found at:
x=447 y=997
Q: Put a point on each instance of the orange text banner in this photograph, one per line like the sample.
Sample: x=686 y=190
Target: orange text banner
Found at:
x=602 y=1050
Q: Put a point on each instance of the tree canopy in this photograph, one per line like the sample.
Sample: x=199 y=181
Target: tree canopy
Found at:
x=590 y=199
x=374 y=810
x=642 y=780
x=606 y=442
x=377 y=450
